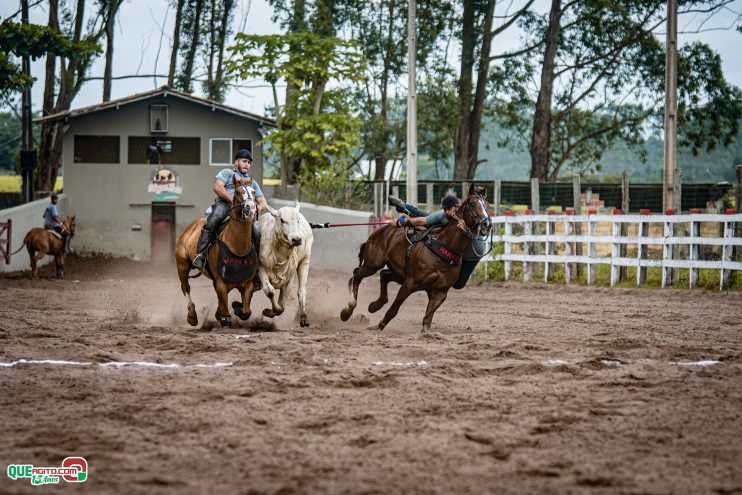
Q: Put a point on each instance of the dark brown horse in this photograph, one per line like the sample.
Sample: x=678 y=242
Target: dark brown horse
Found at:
x=424 y=270
x=39 y=242
x=237 y=237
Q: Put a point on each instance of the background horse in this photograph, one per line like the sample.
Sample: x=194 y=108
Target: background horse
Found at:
x=39 y=242
x=237 y=236
x=424 y=270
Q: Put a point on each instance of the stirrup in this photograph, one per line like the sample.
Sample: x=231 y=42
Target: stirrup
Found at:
x=199 y=261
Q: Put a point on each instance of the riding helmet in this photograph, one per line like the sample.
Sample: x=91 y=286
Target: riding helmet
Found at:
x=449 y=201
x=243 y=154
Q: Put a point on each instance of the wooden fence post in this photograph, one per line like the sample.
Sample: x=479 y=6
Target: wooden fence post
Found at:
x=378 y=200
x=569 y=230
x=738 y=206
x=693 y=251
x=535 y=197
x=641 y=252
x=497 y=199
x=726 y=254
x=464 y=190
x=577 y=199
x=616 y=250
x=677 y=207
x=508 y=247
x=548 y=247
x=625 y=202
x=591 y=231
x=527 y=231
x=667 y=251
x=348 y=196
x=429 y=200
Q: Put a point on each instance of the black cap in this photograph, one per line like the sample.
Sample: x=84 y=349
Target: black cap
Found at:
x=449 y=201
x=243 y=154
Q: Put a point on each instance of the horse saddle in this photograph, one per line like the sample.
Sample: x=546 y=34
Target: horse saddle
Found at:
x=235 y=268
x=440 y=248
x=55 y=233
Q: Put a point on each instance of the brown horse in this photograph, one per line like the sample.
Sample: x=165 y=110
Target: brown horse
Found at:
x=39 y=242
x=424 y=269
x=237 y=237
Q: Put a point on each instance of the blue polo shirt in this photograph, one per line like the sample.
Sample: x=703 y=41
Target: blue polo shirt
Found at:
x=49 y=214
x=226 y=176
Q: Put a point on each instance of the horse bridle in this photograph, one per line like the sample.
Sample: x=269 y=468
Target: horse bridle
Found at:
x=473 y=231
x=243 y=205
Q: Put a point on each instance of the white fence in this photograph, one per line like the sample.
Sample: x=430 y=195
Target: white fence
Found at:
x=539 y=234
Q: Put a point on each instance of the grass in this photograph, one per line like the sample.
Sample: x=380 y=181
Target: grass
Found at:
x=14 y=183
x=494 y=271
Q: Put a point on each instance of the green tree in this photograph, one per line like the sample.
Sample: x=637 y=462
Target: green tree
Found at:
x=595 y=57
x=324 y=130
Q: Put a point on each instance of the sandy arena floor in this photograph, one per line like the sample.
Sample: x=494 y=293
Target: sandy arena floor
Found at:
x=519 y=389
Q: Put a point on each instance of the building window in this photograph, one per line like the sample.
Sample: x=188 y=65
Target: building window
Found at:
x=171 y=150
x=222 y=150
x=158 y=118
x=96 y=149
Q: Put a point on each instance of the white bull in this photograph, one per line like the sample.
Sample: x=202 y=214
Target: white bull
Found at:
x=285 y=249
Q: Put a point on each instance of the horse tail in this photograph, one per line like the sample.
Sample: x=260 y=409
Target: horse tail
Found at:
x=360 y=254
x=25 y=243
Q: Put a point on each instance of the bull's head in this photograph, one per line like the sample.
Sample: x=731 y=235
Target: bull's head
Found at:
x=287 y=225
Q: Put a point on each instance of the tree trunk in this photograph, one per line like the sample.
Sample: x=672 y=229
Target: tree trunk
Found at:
x=541 y=137
x=223 y=34
x=176 y=44
x=475 y=126
x=108 y=72
x=463 y=127
x=47 y=129
x=290 y=165
x=191 y=58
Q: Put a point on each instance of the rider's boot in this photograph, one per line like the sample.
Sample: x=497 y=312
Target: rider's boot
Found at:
x=203 y=243
x=398 y=204
x=256 y=283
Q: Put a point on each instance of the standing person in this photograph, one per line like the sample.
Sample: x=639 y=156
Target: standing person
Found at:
x=419 y=218
x=224 y=190
x=154 y=151
x=52 y=221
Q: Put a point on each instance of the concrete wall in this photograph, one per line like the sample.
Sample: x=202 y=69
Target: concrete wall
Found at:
x=26 y=217
x=334 y=248
x=109 y=199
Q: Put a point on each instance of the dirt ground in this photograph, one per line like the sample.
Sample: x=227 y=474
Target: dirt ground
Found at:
x=519 y=389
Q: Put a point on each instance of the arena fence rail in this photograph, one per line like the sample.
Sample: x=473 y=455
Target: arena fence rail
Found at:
x=533 y=239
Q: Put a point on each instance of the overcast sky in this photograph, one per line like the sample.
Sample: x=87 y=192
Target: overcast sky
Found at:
x=142 y=48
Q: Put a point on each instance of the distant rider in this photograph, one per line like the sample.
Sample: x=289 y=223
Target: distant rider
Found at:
x=224 y=190
x=52 y=221
x=419 y=218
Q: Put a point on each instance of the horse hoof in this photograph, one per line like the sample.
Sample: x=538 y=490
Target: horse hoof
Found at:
x=237 y=307
x=193 y=319
x=268 y=313
x=244 y=316
x=225 y=321
x=304 y=322
x=345 y=314
x=375 y=306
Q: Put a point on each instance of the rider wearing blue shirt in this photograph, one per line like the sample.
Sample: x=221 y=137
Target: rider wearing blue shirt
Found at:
x=51 y=215
x=475 y=248
x=224 y=190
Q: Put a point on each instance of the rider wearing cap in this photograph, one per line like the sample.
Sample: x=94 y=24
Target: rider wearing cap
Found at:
x=224 y=190
x=419 y=218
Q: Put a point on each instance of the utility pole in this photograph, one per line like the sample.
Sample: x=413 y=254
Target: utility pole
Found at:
x=28 y=153
x=671 y=196
x=411 y=108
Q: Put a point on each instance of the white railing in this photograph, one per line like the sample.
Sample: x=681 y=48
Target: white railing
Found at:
x=574 y=242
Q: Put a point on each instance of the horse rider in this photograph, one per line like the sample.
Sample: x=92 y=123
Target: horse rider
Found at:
x=419 y=218
x=224 y=190
x=52 y=221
